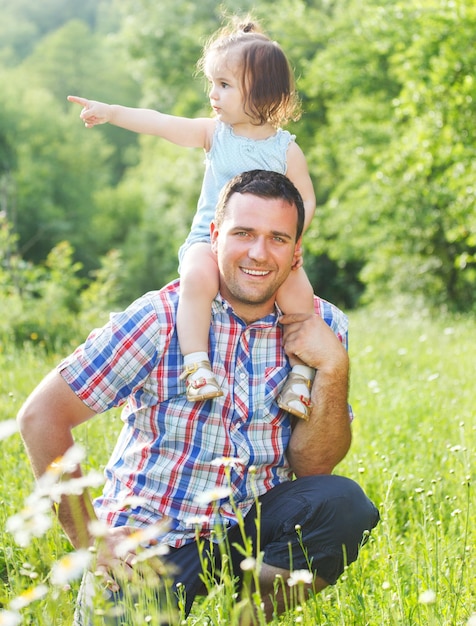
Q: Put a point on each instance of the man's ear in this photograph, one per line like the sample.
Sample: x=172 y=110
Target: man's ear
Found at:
x=213 y=236
x=297 y=251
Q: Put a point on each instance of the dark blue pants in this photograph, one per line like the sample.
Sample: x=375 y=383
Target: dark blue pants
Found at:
x=321 y=521
x=327 y=515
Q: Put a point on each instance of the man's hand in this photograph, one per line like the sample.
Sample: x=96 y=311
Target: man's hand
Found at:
x=310 y=339
x=120 y=555
x=109 y=564
x=317 y=445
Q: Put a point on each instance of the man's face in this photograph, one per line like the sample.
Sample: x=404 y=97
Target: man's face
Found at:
x=255 y=247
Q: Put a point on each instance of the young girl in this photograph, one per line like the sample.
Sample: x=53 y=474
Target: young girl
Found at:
x=252 y=95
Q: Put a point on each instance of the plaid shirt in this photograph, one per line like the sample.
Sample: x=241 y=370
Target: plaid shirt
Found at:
x=168 y=453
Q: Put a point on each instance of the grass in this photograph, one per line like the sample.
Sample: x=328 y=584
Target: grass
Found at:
x=414 y=440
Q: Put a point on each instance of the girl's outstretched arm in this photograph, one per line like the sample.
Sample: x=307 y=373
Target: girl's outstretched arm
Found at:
x=183 y=131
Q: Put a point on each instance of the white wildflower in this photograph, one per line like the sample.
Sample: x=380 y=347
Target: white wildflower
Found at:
x=32 y=521
x=65 y=464
x=300 y=576
x=129 y=502
x=142 y=537
x=70 y=567
x=427 y=597
x=197 y=520
x=212 y=495
x=248 y=564
x=27 y=570
x=227 y=461
x=75 y=486
x=28 y=596
x=9 y=618
x=159 y=550
x=70 y=460
x=7 y=428
x=98 y=528
x=374 y=386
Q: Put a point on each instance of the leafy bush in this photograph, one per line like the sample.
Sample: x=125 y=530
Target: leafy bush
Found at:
x=50 y=305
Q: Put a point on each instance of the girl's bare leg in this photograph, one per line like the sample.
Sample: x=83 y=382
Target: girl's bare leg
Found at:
x=296 y=296
x=198 y=287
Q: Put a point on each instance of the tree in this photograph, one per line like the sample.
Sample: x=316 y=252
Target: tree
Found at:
x=395 y=150
x=51 y=181
x=25 y=23
x=388 y=95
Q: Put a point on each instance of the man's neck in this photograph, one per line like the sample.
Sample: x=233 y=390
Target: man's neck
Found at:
x=250 y=313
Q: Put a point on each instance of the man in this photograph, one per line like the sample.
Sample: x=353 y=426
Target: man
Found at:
x=168 y=454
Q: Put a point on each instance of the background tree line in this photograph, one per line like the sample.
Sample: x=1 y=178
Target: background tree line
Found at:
x=389 y=99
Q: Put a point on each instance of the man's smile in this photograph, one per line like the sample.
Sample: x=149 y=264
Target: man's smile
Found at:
x=252 y=272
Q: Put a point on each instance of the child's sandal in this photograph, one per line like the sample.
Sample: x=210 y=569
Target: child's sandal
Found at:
x=196 y=387
x=297 y=404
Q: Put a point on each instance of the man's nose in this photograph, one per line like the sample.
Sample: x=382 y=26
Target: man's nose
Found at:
x=258 y=250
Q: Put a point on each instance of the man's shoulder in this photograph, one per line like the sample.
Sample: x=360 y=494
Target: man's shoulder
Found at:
x=331 y=314
x=163 y=301
x=168 y=292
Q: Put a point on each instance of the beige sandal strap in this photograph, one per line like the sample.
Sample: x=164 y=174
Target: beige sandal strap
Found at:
x=193 y=367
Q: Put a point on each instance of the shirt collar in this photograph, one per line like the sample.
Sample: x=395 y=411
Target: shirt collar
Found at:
x=221 y=305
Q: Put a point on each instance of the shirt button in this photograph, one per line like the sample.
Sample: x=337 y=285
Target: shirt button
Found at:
x=242 y=376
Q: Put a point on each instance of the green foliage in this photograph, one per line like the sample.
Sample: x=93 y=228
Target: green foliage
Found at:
x=397 y=147
x=49 y=305
x=165 y=39
x=49 y=186
x=164 y=213
x=25 y=23
x=388 y=94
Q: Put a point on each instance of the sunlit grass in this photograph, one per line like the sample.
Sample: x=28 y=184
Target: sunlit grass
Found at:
x=413 y=452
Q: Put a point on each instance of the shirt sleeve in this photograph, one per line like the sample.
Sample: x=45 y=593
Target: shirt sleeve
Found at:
x=335 y=319
x=339 y=323
x=116 y=359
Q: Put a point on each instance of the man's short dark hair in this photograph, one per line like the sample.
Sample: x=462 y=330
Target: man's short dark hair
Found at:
x=264 y=184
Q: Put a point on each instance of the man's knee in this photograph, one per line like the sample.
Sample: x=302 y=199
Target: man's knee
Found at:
x=322 y=520
x=345 y=512
x=354 y=509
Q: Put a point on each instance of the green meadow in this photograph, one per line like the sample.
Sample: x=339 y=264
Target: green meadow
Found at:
x=413 y=452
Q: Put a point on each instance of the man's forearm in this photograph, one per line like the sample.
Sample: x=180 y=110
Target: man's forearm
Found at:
x=46 y=421
x=319 y=444
x=74 y=511
x=75 y=514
